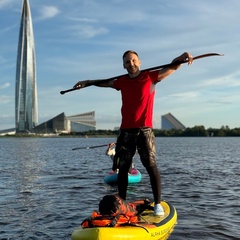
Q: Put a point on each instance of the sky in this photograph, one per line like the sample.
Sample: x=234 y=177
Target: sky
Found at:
x=85 y=39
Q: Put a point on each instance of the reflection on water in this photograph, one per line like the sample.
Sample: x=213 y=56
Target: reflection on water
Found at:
x=46 y=189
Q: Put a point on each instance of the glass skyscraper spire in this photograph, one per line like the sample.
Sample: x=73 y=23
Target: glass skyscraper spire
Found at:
x=26 y=107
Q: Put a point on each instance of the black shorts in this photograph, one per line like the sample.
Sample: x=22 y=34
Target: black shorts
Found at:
x=130 y=140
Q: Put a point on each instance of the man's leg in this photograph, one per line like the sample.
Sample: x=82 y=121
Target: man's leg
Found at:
x=125 y=151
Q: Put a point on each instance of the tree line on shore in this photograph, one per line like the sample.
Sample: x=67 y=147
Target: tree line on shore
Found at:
x=197 y=131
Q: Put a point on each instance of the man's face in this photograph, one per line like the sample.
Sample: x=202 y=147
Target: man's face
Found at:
x=132 y=63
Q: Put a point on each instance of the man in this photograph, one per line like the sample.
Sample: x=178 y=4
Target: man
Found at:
x=138 y=90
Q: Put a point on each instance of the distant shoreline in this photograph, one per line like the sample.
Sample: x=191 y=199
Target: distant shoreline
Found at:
x=197 y=131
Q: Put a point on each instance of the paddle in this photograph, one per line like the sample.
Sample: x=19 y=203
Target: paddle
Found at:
x=150 y=69
x=97 y=146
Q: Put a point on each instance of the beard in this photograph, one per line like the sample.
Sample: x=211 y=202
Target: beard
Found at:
x=133 y=70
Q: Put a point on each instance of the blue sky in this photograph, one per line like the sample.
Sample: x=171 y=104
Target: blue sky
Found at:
x=85 y=39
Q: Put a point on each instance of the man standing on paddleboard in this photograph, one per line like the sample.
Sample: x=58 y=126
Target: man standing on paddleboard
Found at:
x=136 y=131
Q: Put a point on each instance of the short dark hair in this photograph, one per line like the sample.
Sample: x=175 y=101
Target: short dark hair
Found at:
x=129 y=52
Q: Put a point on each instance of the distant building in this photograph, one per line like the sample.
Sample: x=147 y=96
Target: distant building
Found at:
x=26 y=109
x=54 y=125
x=10 y=131
x=170 y=122
x=61 y=123
x=82 y=122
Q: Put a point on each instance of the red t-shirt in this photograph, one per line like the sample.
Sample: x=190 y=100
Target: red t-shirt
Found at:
x=137 y=99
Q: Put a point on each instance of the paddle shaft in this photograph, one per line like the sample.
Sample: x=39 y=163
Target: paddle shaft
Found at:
x=103 y=145
x=151 y=69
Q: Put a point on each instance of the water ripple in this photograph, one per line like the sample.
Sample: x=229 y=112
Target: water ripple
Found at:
x=46 y=189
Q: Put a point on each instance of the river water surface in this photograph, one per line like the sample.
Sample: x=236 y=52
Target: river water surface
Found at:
x=46 y=189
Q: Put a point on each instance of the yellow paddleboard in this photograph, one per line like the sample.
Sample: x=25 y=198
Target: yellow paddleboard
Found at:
x=150 y=227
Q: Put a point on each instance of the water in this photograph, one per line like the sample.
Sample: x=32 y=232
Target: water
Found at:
x=46 y=189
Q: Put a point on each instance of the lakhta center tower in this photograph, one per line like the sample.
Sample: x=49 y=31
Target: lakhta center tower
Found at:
x=26 y=107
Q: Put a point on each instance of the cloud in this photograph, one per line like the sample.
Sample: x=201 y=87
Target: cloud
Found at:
x=230 y=80
x=4 y=3
x=88 y=31
x=185 y=95
x=48 y=12
x=5 y=99
x=85 y=20
x=5 y=85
